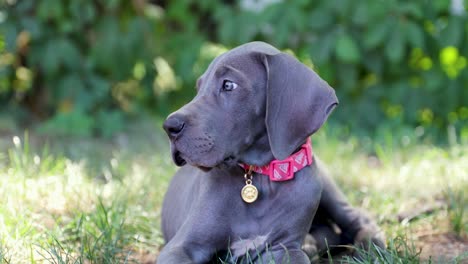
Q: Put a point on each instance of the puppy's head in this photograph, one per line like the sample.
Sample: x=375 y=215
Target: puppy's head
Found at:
x=252 y=97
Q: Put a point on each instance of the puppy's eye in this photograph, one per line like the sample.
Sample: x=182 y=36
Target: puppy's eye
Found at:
x=229 y=86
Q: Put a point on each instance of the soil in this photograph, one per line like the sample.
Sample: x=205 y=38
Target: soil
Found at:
x=437 y=242
x=443 y=248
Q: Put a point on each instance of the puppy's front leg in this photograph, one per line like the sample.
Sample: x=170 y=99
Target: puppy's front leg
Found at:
x=194 y=243
x=182 y=254
x=175 y=254
x=182 y=250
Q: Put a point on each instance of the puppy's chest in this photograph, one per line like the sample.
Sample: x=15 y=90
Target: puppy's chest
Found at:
x=277 y=203
x=274 y=195
x=281 y=211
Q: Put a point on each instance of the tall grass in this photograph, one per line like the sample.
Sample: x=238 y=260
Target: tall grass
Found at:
x=457 y=206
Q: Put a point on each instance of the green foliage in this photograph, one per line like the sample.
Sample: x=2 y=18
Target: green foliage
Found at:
x=393 y=63
x=72 y=62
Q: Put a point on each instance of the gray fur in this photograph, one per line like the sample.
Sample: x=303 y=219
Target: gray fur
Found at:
x=278 y=103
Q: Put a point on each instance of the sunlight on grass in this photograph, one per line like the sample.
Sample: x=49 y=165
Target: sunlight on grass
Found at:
x=53 y=209
x=415 y=192
x=94 y=202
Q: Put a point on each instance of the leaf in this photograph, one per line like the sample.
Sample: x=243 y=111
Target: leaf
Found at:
x=83 y=12
x=100 y=86
x=24 y=6
x=322 y=48
x=68 y=87
x=374 y=62
x=348 y=75
x=320 y=19
x=32 y=26
x=411 y=8
x=9 y=31
x=361 y=14
x=69 y=54
x=247 y=23
x=452 y=34
x=105 y=53
x=441 y=5
x=327 y=72
x=414 y=34
x=395 y=47
x=226 y=27
x=377 y=34
x=340 y=7
x=378 y=11
x=346 y=49
x=51 y=59
x=434 y=80
x=50 y=9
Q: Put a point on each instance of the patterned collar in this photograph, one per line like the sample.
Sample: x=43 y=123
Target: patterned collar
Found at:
x=283 y=170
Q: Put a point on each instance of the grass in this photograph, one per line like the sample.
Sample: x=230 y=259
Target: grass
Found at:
x=98 y=201
x=456 y=206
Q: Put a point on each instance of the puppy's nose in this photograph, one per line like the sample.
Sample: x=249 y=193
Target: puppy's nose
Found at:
x=174 y=125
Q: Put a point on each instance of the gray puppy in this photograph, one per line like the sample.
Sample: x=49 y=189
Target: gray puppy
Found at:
x=254 y=105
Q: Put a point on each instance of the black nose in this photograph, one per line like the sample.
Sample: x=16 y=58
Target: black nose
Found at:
x=174 y=126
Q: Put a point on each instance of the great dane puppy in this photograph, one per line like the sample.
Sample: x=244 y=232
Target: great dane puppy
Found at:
x=254 y=105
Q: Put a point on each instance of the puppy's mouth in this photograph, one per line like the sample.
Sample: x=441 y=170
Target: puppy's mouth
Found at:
x=180 y=160
x=177 y=157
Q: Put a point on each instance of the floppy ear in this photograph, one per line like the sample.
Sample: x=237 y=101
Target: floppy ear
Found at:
x=298 y=103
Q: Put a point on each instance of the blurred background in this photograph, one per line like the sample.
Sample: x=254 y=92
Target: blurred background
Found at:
x=85 y=67
x=86 y=84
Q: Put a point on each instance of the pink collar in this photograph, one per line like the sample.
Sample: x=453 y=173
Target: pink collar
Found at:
x=283 y=170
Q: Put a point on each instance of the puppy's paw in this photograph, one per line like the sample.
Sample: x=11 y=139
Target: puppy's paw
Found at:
x=366 y=241
x=310 y=247
x=370 y=234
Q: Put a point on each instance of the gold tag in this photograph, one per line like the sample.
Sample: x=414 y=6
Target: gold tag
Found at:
x=249 y=193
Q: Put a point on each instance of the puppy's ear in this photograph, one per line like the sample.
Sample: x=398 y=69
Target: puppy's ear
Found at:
x=298 y=103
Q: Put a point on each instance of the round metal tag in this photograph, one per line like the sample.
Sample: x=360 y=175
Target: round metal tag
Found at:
x=249 y=193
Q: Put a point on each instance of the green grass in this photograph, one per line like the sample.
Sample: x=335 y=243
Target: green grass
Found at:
x=457 y=201
x=93 y=201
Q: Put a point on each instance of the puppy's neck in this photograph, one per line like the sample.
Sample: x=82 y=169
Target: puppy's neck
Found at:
x=259 y=153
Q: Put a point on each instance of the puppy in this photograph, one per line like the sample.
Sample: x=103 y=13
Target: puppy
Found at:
x=250 y=184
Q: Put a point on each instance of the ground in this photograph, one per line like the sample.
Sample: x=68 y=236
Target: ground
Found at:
x=82 y=200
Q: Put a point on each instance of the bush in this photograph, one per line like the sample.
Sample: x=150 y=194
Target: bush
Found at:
x=77 y=64
x=396 y=65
